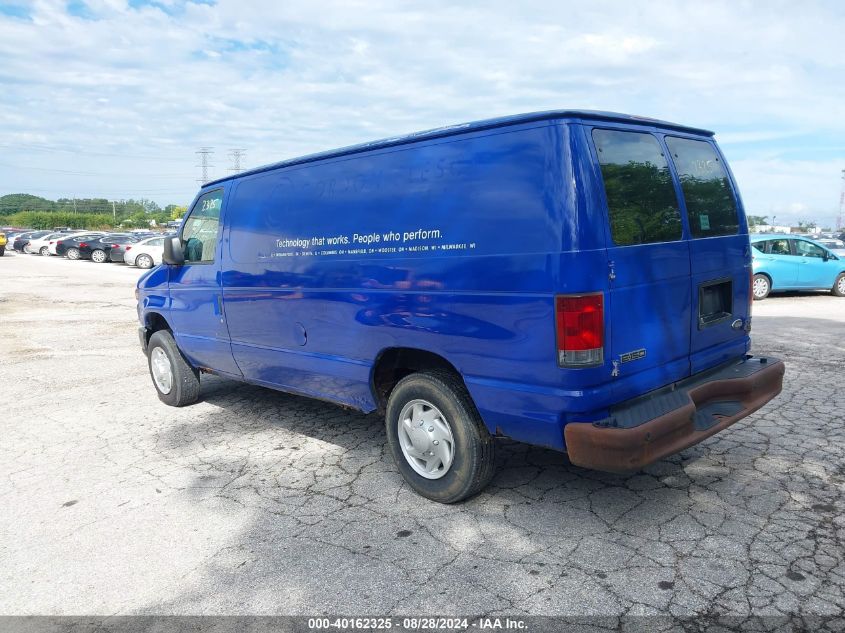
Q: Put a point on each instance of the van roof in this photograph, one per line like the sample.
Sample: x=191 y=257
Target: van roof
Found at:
x=449 y=130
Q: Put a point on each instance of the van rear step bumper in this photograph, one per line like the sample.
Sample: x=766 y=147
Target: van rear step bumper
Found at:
x=651 y=427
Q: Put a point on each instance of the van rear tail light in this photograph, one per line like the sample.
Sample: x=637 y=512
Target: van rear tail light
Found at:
x=580 y=330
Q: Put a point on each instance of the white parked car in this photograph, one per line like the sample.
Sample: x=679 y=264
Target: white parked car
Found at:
x=41 y=246
x=146 y=253
x=837 y=246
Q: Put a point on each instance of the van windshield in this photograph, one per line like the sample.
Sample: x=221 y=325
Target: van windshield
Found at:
x=641 y=198
x=711 y=207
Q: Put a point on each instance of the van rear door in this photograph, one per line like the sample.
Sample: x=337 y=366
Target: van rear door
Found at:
x=650 y=290
x=720 y=256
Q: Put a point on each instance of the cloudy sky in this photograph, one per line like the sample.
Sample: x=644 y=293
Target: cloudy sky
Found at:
x=112 y=98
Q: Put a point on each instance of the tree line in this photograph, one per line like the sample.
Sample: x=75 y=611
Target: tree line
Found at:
x=21 y=209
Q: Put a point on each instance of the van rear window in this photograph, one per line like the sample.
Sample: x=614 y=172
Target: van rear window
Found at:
x=704 y=180
x=641 y=198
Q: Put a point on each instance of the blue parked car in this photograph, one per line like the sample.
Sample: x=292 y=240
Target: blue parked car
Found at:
x=575 y=280
x=785 y=262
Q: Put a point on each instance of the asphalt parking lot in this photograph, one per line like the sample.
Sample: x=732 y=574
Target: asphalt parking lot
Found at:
x=257 y=502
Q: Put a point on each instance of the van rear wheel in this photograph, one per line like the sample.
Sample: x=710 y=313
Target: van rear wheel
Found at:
x=438 y=441
x=176 y=382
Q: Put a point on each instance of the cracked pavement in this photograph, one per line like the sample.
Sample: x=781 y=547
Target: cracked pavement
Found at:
x=258 y=502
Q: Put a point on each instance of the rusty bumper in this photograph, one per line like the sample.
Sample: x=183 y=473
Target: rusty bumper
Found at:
x=652 y=427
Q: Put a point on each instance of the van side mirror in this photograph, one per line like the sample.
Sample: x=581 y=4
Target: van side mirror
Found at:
x=173 y=253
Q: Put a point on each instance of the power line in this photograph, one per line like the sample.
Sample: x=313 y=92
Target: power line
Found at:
x=56 y=149
x=92 y=173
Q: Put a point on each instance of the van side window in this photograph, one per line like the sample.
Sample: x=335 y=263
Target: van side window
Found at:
x=710 y=202
x=199 y=236
x=641 y=198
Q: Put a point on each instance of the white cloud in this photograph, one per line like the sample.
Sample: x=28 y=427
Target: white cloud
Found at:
x=794 y=190
x=281 y=79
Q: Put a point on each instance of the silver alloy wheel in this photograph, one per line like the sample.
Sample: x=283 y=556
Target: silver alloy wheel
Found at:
x=73 y=253
x=161 y=370
x=426 y=440
x=761 y=287
x=144 y=261
x=98 y=256
x=840 y=285
x=45 y=251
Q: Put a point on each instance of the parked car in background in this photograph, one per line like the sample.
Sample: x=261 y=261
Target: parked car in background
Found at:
x=119 y=247
x=41 y=245
x=837 y=247
x=146 y=253
x=2 y=244
x=69 y=246
x=53 y=244
x=12 y=234
x=784 y=262
x=99 y=250
x=23 y=239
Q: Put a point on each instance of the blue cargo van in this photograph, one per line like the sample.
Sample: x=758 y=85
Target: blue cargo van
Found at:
x=576 y=280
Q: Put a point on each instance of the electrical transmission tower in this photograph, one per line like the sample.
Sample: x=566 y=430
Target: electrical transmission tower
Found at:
x=236 y=155
x=204 y=153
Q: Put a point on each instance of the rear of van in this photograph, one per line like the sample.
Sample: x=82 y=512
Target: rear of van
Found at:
x=672 y=367
x=567 y=279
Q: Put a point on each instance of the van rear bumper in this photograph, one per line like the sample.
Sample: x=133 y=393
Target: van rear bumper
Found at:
x=648 y=428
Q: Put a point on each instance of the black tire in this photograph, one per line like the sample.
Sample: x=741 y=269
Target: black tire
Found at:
x=98 y=256
x=473 y=461
x=838 y=289
x=185 y=384
x=72 y=253
x=44 y=252
x=144 y=261
x=761 y=286
x=2 y=251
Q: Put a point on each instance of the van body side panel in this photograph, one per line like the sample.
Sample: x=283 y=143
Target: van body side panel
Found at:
x=452 y=246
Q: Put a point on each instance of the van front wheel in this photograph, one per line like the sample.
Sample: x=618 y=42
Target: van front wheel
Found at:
x=437 y=438
x=176 y=382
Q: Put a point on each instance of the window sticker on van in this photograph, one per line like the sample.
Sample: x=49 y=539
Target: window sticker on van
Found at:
x=704 y=182
x=641 y=198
